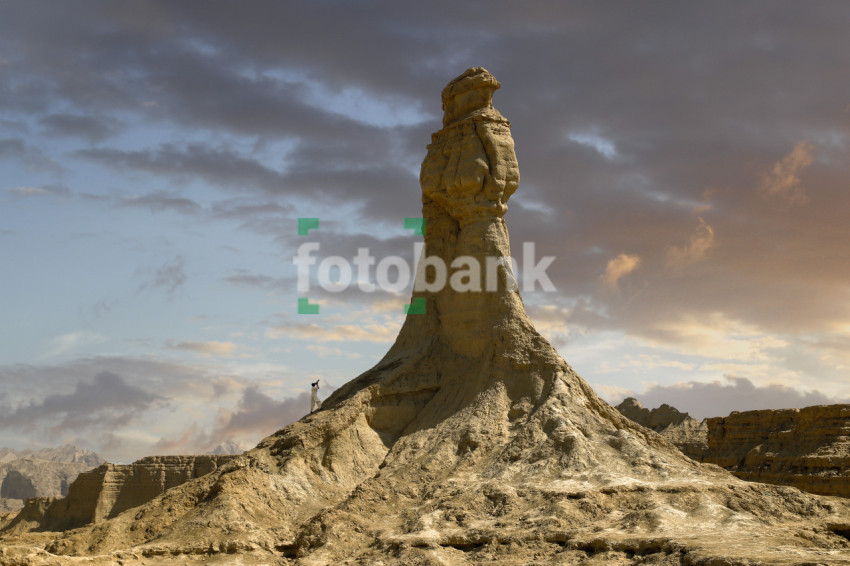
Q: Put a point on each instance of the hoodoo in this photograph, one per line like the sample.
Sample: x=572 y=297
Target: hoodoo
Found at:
x=471 y=442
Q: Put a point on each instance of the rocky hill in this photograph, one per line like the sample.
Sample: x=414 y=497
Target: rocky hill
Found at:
x=471 y=442
x=805 y=448
x=688 y=434
x=41 y=473
x=109 y=489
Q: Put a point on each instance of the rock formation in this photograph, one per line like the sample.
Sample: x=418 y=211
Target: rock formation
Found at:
x=470 y=442
x=658 y=419
x=41 y=473
x=106 y=491
x=685 y=432
x=804 y=448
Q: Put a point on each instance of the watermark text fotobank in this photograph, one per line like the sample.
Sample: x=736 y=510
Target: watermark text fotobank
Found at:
x=392 y=273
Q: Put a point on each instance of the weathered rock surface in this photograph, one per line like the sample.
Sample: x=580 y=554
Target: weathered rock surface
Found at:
x=40 y=473
x=688 y=434
x=805 y=448
x=657 y=419
x=470 y=442
x=109 y=489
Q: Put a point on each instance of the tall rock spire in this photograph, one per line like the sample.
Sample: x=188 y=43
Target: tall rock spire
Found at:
x=471 y=169
x=467 y=177
x=472 y=441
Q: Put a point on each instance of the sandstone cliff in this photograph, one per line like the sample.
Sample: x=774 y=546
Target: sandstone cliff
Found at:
x=109 y=489
x=805 y=448
x=471 y=442
x=40 y=473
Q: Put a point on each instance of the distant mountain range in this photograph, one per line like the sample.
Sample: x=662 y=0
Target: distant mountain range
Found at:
x=40 y=473
x=228 y=447
x=66 y=454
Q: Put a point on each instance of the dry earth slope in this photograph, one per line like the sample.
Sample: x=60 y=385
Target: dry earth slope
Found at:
x=470 y=442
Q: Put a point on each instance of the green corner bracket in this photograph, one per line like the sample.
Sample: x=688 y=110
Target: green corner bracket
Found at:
x=307 y=224
x=415 y=224
x=304 y=306
x=416 y=307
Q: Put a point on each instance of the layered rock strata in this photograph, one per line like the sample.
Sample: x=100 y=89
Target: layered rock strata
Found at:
x=471 y=442
x=109 y=489
x=40 y=473
x=804 y=448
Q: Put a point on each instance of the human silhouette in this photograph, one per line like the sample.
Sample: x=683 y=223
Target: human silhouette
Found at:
x=314 y=396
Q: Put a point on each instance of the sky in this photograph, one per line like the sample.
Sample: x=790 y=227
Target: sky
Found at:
x=685 y=163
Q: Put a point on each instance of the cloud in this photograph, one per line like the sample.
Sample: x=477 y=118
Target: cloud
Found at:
x=258 y=414
x=212 y=348
x=243 y=278
x=782 y=180
x=132 y=404
x=45 y=190
x=105 y=402
x=326 y=351
x=244 y=209
x=161 y=201
x=618 y=268
x=221 y=167
x=715 y=336
x=651 y=361
x=93 y=128
x=701 y=241
x=316 y=170
x=186 y=442
x=34 y=159
x=719 y=398
x=28 y=383
x=69 y=342
x=368 y=331
x=170 y=276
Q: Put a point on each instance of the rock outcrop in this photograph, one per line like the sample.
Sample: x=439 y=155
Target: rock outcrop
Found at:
x=804 y=448
x=470 y=442
x=109 y=489
x=40 y=473
x=658 y=419
x=685 y=432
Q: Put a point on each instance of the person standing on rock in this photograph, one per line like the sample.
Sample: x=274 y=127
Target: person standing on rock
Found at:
x=314 y=396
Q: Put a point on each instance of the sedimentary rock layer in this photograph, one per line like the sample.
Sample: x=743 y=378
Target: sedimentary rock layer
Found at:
x=109 y=489
x=40 y=473
x=805 y=448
